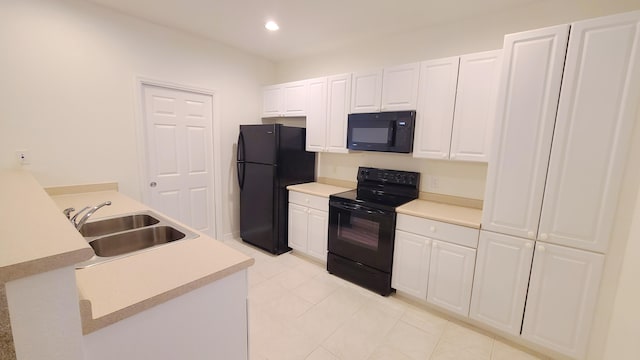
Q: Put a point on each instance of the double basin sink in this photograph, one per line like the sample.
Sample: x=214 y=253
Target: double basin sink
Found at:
x=124 y=235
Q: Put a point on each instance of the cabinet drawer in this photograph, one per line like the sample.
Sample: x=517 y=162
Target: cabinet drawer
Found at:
x=312 y=201
x=455 y=234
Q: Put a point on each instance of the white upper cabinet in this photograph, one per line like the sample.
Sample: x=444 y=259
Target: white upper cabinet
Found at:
x=316 y=122
x=500 y=281
x=366 y=91
x=563 y=290
x=400 y=87
x=475 y=106
x=389 y=89
x=456 y=107
x=525 y=115
x=339 y=96
x=434 y=114
x=271 y=101
x=596 y=113
x=288 y=99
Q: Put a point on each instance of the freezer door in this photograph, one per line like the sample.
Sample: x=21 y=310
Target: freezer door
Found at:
x=257 y=205
x=258 y=143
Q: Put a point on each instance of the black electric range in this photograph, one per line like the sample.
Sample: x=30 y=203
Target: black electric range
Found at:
x=362 y=226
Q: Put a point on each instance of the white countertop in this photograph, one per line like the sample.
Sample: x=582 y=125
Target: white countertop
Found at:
x=459 y=215
x=35 y=236
x=114 y=290
x=318 y=189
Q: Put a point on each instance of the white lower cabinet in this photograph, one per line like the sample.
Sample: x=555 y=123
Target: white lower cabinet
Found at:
x=411 y=258
x=500 y=281
x=451 y=276
x=437 y=267
x=308 y=224
x=563 y=290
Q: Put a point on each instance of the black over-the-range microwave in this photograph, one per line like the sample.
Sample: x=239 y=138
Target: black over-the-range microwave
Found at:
x=383 y=131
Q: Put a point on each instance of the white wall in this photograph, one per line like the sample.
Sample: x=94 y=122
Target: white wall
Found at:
x=67 y=93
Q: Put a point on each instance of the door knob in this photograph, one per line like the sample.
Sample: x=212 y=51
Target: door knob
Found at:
x=153 y=184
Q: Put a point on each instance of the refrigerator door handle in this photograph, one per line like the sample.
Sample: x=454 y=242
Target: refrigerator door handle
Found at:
x=240 y=176
x=240 y=153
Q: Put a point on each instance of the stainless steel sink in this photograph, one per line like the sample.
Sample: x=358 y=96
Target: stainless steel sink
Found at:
x=129 y=234
x=126 y=242
x=113 y=225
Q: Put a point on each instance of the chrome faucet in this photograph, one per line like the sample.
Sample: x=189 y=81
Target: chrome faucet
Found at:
x=91 y=210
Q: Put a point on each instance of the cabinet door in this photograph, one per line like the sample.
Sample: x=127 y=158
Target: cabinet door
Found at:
x=475 y=106
x=562 y=297
x=451 y=276
x=527 y=104
x=400 y=87
x=298 y=227
x=339 y=100
x=294 y=98
x=317 y=115
x=597 y=111
x=366 y=91
x=434 y=115
x=271 y=101
x=318 y=228
x=411 y=258
x=500 y=281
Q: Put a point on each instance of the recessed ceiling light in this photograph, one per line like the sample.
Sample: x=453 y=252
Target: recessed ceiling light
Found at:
x=271 y=26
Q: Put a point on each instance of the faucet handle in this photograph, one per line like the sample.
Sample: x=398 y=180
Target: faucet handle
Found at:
x=67 y=212
x=73 y=219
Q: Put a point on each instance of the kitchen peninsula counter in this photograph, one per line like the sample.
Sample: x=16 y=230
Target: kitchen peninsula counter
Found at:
x=117 y=289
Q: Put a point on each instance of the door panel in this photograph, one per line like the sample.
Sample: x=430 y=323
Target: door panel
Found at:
x=525 y=115
x=318 y=222
x=366 y=91
x=500 y=281
x=178 y=140
x=257 y=205
x=593 y=130
x=400 y=87
x=451 y=276
x=411 y=264
x=258 y=144
x=339 y=103
x=434 y=116
x=562 y=296
x=475 y=106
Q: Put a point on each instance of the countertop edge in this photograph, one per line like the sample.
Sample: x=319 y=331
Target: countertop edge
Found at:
x=41 y=265
x=91 y=324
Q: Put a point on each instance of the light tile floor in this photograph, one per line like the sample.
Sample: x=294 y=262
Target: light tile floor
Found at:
x=298 y=311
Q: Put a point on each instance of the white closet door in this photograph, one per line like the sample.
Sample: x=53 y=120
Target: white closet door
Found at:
x=562 y=296
x=593 y=131
x=526 y=111
x=500 y=281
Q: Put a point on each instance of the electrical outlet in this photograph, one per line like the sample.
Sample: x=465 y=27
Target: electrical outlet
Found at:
x=433 y=183
x=24 y=158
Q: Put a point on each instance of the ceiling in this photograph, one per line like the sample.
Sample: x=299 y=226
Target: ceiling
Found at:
x=307 y=27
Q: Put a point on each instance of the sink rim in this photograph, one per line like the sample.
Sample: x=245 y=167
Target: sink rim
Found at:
x=162 y=222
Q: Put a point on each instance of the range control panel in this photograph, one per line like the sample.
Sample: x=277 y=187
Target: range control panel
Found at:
x=388 y=176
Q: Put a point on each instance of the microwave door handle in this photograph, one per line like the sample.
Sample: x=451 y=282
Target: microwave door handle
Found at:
x=392 y=132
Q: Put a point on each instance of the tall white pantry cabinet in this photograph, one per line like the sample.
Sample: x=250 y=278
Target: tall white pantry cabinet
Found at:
x=562 y=132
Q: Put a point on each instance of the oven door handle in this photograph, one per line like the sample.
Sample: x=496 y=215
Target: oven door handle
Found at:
x=358 y=208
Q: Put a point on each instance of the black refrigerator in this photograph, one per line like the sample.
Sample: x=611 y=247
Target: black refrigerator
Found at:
x=269 y=158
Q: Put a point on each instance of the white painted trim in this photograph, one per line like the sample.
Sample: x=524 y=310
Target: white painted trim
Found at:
x=216 y=129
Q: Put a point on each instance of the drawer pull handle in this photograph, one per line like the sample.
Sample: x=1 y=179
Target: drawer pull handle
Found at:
x=541 y=248
x=544 y=236
x=432 y=228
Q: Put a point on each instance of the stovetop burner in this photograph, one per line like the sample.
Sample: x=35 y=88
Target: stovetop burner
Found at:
x=385 y=189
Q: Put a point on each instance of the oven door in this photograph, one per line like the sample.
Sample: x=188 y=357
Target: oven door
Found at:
x=362 y=234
